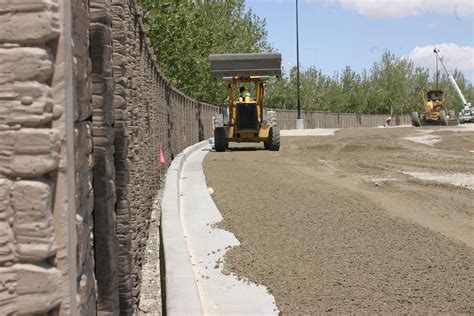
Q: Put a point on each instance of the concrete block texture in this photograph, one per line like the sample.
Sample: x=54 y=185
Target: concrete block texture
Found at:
x=8 y=251
x=85 y=116
x=34 y=234
x=29 y=22
x=84 y=161
x=105 y=236
x=37 y=252
x=101 y=11
x=25 y=103
x=29 y=289
x=26 y=63
x=29 y=152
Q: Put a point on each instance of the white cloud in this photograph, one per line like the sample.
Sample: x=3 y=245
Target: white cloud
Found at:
x=395 y=9
x=460 y=57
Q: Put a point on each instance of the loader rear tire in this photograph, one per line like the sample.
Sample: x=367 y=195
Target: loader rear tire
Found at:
x=273 y=142
x=219 y=120
x=453 y=122
x=415 y=119
x=442 y=118
x=452 y=115
x=220 y=139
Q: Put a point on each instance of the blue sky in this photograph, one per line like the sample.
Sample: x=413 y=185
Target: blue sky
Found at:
x=336 y=33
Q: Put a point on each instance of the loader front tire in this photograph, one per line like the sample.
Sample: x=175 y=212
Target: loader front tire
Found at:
x=415 y=119
x=220 y=139
x=442 y=118
x=273 y=142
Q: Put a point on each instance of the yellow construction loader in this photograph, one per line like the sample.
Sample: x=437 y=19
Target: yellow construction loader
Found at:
x=245 y=119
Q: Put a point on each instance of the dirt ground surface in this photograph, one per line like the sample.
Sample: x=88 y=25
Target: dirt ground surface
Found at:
x=376 y=220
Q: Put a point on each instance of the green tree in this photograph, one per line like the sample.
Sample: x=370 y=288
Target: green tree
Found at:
x=419 y=83
x=392 y=85
x=391 y=78
x=277 y=93
x=184 y=34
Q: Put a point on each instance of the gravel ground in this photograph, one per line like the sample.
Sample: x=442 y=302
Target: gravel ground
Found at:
x=150 y=291
x=339 y=224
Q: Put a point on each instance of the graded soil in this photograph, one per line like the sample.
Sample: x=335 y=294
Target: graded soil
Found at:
x=345 y=223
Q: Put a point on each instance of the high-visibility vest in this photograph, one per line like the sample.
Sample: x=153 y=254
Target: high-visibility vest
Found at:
x=245 y=97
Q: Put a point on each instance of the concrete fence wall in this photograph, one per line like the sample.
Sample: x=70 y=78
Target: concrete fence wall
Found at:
x=84 y=115
x=38 y=262
x=88 y=126
x=287 y=119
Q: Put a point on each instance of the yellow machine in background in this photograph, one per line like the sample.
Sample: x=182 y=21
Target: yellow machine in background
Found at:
x=245 y=119
x=435 y=110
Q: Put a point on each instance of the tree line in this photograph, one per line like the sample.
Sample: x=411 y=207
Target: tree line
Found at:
x=185 y=33
x=392 y=85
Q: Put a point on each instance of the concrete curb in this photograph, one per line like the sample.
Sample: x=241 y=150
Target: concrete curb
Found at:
x=182 y=295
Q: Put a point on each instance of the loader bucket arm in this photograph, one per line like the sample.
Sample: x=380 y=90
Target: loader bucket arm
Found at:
x=245 y=65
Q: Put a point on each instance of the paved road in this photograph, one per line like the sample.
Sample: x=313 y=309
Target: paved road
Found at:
x=366 y=221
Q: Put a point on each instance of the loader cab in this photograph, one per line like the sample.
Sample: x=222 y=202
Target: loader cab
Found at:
x=434 y=102
x=435 y=95
x=246 y=110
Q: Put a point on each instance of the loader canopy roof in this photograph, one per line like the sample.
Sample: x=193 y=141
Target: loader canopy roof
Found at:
x=245 y=65
x=434 y=95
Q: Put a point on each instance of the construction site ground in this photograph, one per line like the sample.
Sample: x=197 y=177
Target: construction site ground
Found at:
x=369 y=220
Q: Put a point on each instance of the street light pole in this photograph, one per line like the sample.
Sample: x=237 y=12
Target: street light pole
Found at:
x=298 y=65
x=299 y=120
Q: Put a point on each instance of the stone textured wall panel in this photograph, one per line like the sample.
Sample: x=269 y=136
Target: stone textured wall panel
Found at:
x=105 y=235
x=37 y=288
x=26 y=63
x=8 y=253
x=83 y=67
x=25 y=288
x=287 y=119
x=37 y=239
x=8 y=6
x=122 y=205
x=29 y=27
x=101 y=11
x=28 y=152
x=27 y=104
x=34 y=236
x=84 y=161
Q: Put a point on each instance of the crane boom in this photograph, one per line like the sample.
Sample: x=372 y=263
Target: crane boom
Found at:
x=450 y=77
